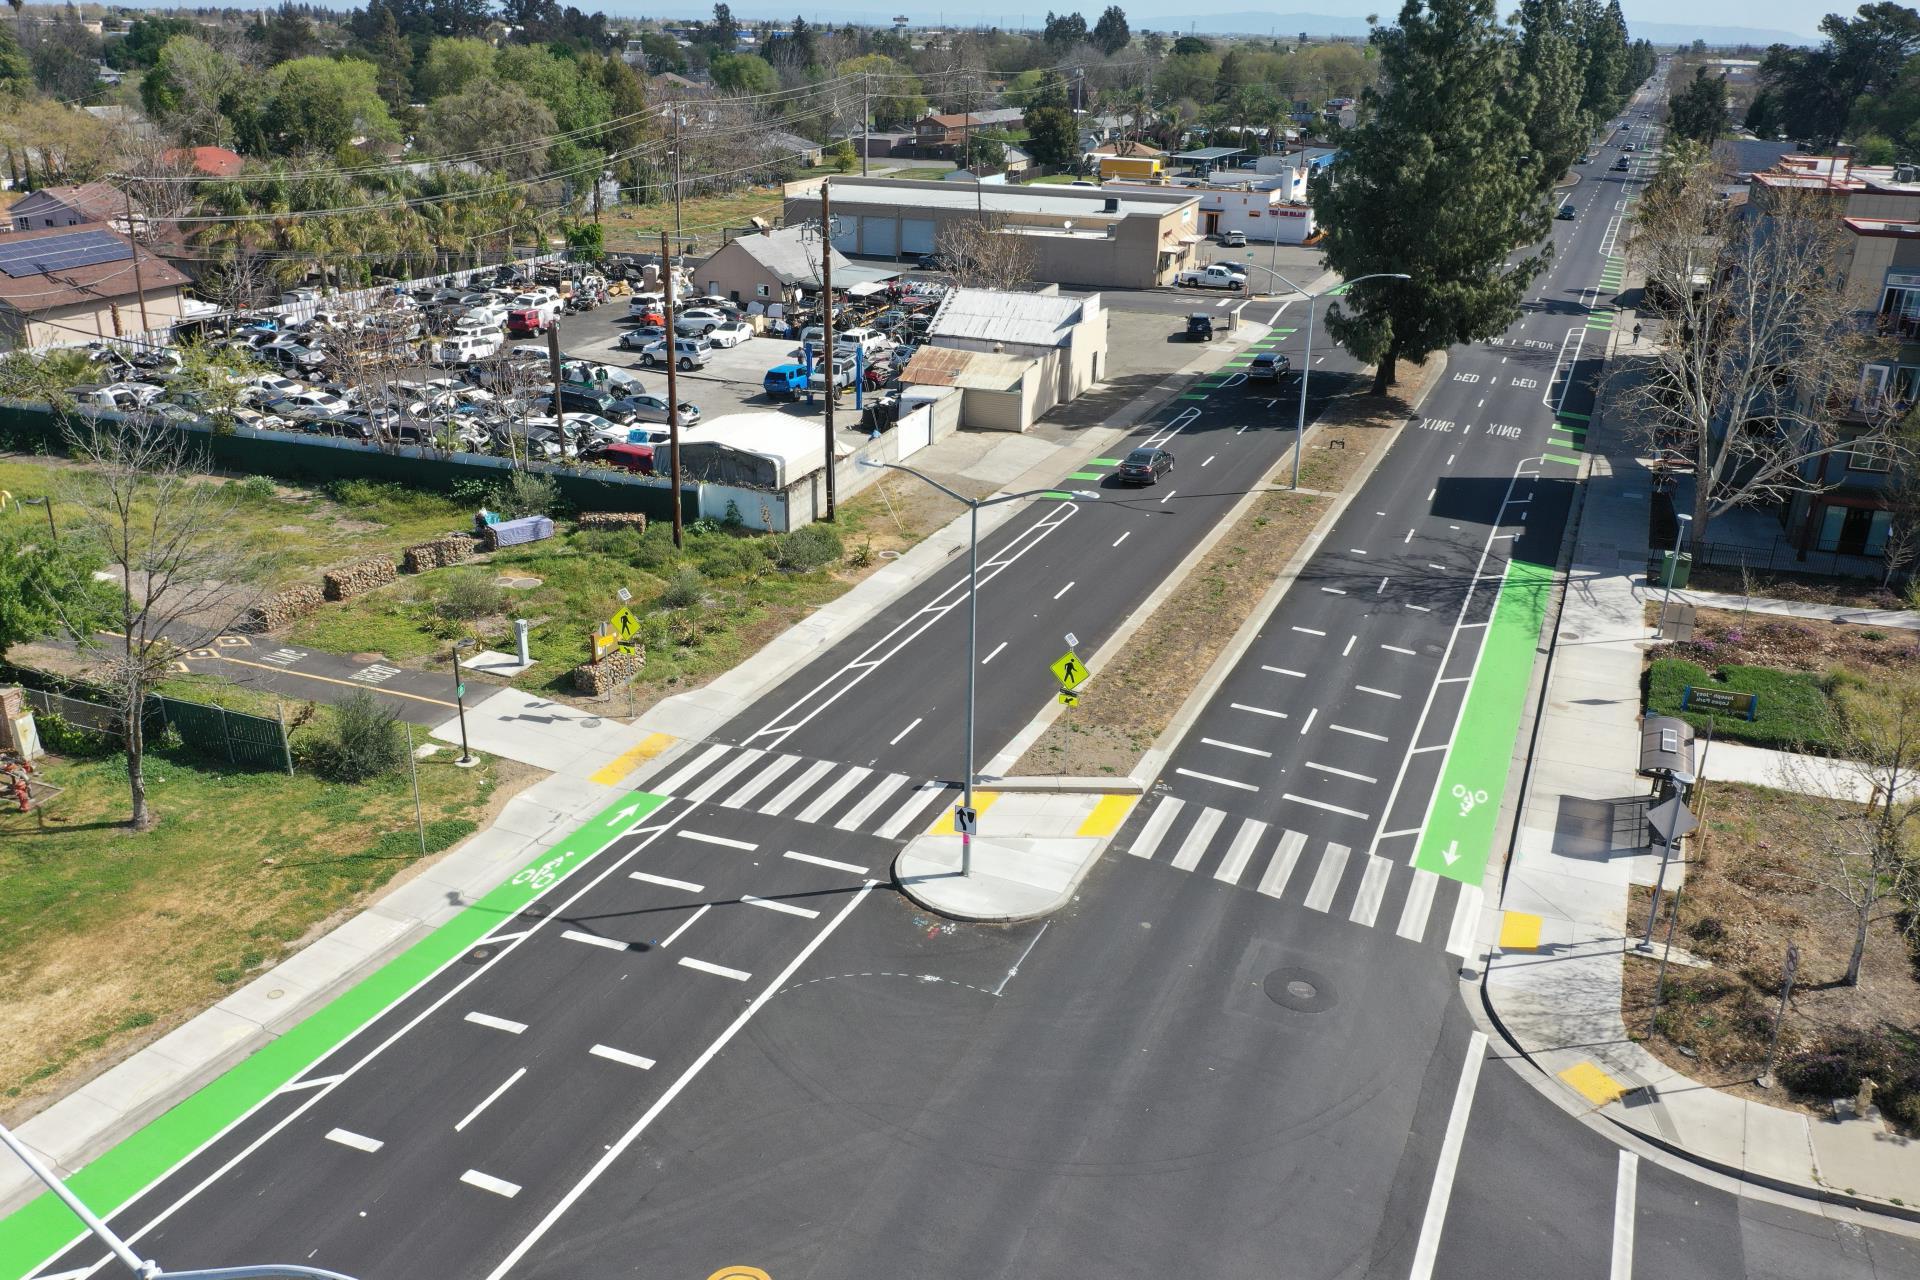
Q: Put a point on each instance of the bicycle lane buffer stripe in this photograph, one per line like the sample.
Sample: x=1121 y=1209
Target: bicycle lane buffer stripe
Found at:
x=1457 y=837
x=43 y=1228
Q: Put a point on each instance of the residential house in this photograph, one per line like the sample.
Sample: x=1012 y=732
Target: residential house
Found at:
x=937 y=134
x=64 y=285
x=770 y=267
x=774 y=145
x=73 y=206
x=212 y=162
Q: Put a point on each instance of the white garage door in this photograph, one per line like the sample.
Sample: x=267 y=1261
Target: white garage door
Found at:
x=847 y=239
x=916 y=235
x=878 y=241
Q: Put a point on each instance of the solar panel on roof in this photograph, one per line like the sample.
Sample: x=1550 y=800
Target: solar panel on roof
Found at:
x=62 y=253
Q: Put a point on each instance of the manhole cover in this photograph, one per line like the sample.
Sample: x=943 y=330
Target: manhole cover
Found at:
x=518 y=584
x=889 y=555
x=479 y=955
x=1569 y=635
x=536 y=911
x=1301 y=990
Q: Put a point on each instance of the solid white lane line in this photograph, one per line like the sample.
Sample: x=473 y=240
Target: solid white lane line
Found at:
x=1225 y=782
x=717 y=970
x=1240 y=851
x=1378 y=693
x=700 y=837
x=1234 y=746
x=1194 y=847
x=489 y=1099
x=487 y=1182
x=1309 y=631
x=672 y=785
x=1428 y=1246
x=621 y=1056
x=914 y=805
x=1322 y=804
x=1419 y=903
x=359 y=1142
x=1123 y=537
x=1466 y=921
x=785 y=908
x=1341 y=773
x=1625 y=1192
x=725 y=774
x=1273 y=882
x=1156 y=829
x=996 y=653
x=1308 y=722
x=1258 y=711
x=875 y=797
x=793 y=790
x=834 y=794
x=829 y=863
x=687 y=923
x=1358 y=733
x=498 y=1024
x=1394 y=648
x=904 y=732
x=763 y=779
x=666 y=882
x=1373 y=888
x=1326 y=879
x=594 y=940
x=1284 y=671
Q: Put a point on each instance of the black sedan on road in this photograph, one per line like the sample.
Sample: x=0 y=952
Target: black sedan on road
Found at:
x=1145 y=466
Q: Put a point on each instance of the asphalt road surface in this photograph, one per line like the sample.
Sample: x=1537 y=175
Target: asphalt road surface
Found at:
x=1240 y=1051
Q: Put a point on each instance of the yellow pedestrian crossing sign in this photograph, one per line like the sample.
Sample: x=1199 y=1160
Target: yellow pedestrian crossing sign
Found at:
x=1069 y=699
x=625 y=625
x=1069 y=670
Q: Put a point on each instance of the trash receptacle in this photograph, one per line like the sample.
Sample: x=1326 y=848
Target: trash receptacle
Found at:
x=1675 y=570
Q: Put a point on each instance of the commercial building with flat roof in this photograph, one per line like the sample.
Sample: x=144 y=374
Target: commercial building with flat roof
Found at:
x=1126 y=239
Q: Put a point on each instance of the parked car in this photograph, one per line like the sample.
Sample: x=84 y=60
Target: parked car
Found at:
x=578 y=399
x=294 y=355
x=301 y=403
x=698 y=321
x=654 y=409
x=1233 y=239
x=729 y=333
x=641 y=337
x=1145 y=466
x=688 y=353
x=935 y=261
x=526 y=322
x=1218 y=275
x=785 y=381
x=871 y=341
x=628 y=457
x=464 y=348
x=1200 y=326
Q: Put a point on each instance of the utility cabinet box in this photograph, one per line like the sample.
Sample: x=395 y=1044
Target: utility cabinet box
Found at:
x=1666 y=746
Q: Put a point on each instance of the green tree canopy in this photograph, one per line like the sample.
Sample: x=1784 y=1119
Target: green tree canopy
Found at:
x=1699 y=110
x=1111 y=33
x=452 y=63
x=743 y=73
x=1550 y=60
x=323 y=104
x=496 y=117
x=894 y=91
x=1051 y=136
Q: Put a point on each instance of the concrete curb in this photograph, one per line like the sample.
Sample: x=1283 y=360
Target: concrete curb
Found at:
x=1126 y=786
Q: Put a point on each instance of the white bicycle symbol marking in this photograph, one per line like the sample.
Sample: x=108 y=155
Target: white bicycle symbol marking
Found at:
x=542 y=876
x=1468 y=799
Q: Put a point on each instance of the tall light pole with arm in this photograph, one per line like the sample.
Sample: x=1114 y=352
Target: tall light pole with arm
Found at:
x=973 y=611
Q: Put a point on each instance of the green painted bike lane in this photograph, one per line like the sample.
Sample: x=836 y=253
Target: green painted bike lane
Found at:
x=1457 y=837
x=39 y=1229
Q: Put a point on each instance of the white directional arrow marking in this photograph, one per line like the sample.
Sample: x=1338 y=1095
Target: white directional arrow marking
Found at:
x=623 y=815
x=1452 y=852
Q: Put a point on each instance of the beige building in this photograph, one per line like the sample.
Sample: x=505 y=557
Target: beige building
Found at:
x=61 y=285
x=1132 y=239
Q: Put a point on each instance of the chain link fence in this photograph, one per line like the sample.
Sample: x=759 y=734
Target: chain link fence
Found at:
x=239 y=738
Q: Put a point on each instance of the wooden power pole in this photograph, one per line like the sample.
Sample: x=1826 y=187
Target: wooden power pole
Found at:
x=673 y=384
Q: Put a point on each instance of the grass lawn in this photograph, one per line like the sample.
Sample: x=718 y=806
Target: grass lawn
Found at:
x=638 y=227
x=923 y=174
x=110 y=938
x=1058 y=180
x=1794 y=706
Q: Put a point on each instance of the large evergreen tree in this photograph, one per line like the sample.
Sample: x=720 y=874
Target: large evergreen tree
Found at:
x=1698 y=112
x=1603 y=38
x=1051 y=138
x=1551 y=61
x=1435 y=184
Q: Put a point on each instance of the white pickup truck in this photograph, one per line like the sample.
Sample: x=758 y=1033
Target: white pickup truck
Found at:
x=1213 y=277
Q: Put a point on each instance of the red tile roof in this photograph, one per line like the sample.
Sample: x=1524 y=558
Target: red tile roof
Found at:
x=217 y=162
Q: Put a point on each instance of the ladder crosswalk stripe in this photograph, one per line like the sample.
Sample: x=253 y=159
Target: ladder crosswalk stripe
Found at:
x=1466 y=920
x=1273 y=882
x=834 y=794
x=724 y=774
x=1156 y=829
x=795 y=789
x=916 y=804
x=1326 y=880
x=1373 y=887
x=759 y=782
x=1245 y=841
x=1199 y=836
x=1419 y=903
x=875 y=797
x=700 y=762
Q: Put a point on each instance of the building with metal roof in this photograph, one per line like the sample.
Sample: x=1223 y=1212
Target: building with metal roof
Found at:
x=1060 y=342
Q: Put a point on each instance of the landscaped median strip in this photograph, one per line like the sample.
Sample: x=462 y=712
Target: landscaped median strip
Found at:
x=38 y=1230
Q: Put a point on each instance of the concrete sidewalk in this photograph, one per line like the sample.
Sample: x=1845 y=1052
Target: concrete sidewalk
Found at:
x=1895 y=619
x=1553 y=979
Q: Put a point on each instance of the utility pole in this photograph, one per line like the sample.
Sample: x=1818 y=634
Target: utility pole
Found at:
x=673 y=154
x=866 y=123
x=553 y=364
x=139 y=284
x=673 y=385
x=826 y=329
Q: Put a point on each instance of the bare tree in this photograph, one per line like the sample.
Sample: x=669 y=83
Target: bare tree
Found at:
x=1902 y=494
x=161 y=527
x=986 y=254
x=1759 y=343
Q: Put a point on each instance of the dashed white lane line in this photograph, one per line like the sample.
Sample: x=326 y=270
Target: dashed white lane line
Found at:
x=1342 y=773
x=818 y=861
x=621 y=1056
x=487 y=1182
x=1170 y=493
x=498 y=1024
x=1382 y=587
x=1333 y=591
x=1225 y=782
x=1062 y=591
x=1358 y=733
x=1284 y=671
x=1123 y=537
x=1321 y=804
x=717 y=970
x=1451 y=457
x=1234 y=746
x=358 y=1141
x=1427 y=1248
x=1258 y=711
x=785 y=908
x=1308 y=722
x=1351 y=641
x=700 y=837
x=1437 y=567
x=1394 y=648
x=1419 y=608
x=1209 y=461
x=990 y=657
x=594 y=940
x=1309 y=631
x=666 y=882
x=687 y=923
x=1358 y=551
x=489 y=1100
x=1378 y=693
x=909 y=729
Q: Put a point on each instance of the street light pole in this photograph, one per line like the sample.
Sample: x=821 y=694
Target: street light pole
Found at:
x=973 y=614
x=1673 y=567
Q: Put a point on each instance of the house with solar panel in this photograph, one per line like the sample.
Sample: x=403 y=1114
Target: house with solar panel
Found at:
x=65 y=285
x=75 y=206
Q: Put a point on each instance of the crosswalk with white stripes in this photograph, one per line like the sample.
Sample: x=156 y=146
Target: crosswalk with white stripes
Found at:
x=847 y=797
x=1325 y=876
